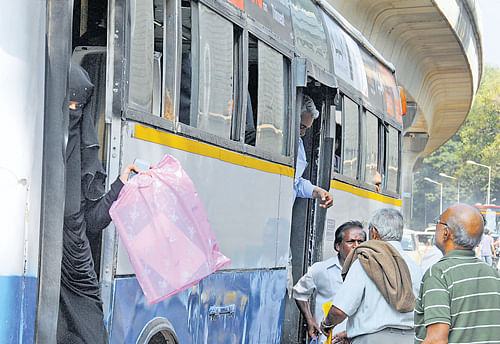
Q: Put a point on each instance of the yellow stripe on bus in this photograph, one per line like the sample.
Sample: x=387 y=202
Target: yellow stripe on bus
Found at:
x=200 y=148
x=337 y=185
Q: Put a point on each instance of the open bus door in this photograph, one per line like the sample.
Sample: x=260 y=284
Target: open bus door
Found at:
x=308 y=219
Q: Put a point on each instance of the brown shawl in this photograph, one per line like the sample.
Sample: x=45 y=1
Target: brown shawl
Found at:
x=387 y=269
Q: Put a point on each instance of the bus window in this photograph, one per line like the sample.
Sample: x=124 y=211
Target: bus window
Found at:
x=215 y=97
x=351 y=139
x=146 y=47
x=268 y=89
x=208 y=89
x=371 y=174
x=185 y=93
x=252 y=101
x=392 y=160
x=337 y=156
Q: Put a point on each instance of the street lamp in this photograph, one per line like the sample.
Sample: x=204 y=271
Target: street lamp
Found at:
x=458 y=184
x=441 y=197
x=489 y=177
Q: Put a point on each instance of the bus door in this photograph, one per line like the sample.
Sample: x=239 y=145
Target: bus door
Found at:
x=308 y=219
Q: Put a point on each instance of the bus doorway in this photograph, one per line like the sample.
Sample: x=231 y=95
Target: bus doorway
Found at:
x=308 y=219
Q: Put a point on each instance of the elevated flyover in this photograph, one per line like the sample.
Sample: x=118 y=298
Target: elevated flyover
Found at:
x=436 y=48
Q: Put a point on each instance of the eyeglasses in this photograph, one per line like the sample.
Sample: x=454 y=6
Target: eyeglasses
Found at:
x=303 y=127
x=437 y=221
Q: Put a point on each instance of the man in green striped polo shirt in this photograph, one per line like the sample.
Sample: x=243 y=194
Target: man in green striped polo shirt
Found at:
x=459 y=298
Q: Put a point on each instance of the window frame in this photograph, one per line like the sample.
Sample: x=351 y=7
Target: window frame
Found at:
x=345 y=90
x=399 y=153
x=358 y=166
x=364 y=129
x=236 y=142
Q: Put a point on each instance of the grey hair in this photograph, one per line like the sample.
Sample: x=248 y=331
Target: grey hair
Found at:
x=460 y=235
x=309 y=107
x=388 y=223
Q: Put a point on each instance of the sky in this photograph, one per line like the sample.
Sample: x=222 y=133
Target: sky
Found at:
x=490 y=15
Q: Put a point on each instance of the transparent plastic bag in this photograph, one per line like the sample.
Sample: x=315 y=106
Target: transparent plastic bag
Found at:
x=165 y=231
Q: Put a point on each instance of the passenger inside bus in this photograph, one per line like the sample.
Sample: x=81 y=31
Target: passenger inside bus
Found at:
x=302 y=187
x=338 y=149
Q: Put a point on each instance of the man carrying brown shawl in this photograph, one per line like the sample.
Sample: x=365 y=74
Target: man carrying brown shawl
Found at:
x=380 y=285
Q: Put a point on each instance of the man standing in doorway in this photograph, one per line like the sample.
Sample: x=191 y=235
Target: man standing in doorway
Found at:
x=302 y=187
x=459 y=300
x=323 y=279
x=487 y=248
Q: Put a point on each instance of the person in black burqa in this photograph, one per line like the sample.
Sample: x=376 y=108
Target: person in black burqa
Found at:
x=87 y=204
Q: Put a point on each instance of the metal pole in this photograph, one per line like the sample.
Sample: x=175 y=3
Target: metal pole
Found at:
x=489 y=177
x=441 y=201
x=441 y=197
x=489 y=184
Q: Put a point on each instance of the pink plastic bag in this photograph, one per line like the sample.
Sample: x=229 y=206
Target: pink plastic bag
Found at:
x=164 y=228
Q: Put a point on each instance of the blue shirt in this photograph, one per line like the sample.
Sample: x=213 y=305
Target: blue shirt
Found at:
x=302 y=188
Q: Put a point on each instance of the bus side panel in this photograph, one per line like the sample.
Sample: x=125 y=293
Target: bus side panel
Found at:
x=18 y=305
x=250 y=308
x=242 y=307
x=242 y=203
x=22 y=78
x=284 y=221
x=352 y=203
x=131 y=313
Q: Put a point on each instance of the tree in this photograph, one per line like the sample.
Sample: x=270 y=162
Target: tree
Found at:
x=479 y=140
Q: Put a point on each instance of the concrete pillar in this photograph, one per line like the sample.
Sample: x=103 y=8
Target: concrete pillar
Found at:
x=413 y=146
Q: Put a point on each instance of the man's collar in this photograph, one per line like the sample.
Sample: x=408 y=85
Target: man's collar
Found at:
x=333 y=261
x=457 y=253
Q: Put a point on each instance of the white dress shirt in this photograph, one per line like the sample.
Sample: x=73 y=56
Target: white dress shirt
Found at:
x=366 y=308
x=302 y=188
x=323 y=279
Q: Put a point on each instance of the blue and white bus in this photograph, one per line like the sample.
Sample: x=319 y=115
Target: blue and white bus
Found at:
x=218 y=84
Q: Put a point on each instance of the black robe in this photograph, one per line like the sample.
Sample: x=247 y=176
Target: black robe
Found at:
x=86 y=210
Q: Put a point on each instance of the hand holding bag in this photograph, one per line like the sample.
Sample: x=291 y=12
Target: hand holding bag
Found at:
x=165 y=231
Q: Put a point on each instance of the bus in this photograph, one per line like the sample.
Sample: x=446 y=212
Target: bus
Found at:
x=491 y=214
x=218 y=84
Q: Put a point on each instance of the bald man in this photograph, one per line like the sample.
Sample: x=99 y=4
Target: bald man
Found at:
x=459 y=299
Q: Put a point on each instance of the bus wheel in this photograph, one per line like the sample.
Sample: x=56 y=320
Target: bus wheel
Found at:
x=158 y=331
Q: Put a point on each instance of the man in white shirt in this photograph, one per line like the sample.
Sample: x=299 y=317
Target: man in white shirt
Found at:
x=323 y=279
x=302 y=187
x=379 y=289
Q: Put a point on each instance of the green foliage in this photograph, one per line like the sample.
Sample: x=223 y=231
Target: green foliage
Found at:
x=479 y=140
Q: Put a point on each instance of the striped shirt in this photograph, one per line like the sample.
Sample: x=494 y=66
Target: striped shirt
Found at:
x=463 y=292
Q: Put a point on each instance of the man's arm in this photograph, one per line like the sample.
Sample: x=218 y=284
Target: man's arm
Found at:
x=335 y=316
x=437 y=334
x=305 y=309
x=302 y=292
